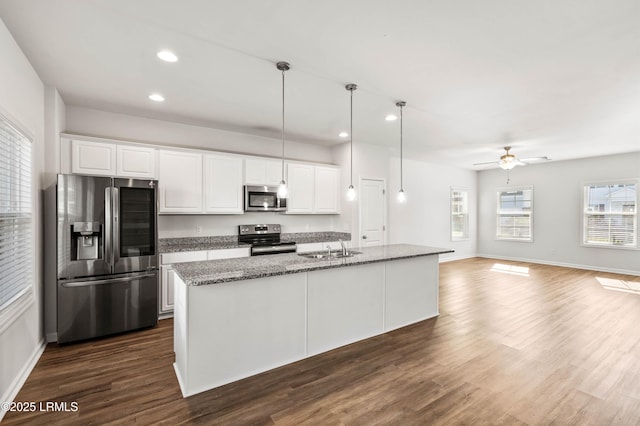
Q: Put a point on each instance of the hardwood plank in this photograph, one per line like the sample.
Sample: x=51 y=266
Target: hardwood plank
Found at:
x=549 y=346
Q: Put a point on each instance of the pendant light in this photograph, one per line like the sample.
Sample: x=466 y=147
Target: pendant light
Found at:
x=351 y=191
x=282 y=188
x=402 y=197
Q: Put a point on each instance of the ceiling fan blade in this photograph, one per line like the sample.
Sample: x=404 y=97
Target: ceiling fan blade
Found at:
x=545 y=158
x=485 y=164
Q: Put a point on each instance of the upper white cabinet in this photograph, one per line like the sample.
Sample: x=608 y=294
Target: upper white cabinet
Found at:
x=93 y=158
x=313 y=189
x=262 y=171
x=112 y=159
x=223 y=184
x=180 y=182
x=135 y=161
x=301 y=180
x=327 y=182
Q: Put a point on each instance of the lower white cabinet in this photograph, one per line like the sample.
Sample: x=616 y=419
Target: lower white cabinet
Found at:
x=167 y=275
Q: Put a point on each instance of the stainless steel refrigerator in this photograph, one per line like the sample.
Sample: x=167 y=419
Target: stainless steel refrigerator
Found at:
x=107 y=256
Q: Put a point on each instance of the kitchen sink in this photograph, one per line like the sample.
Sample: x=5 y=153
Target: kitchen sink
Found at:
x=337 y=254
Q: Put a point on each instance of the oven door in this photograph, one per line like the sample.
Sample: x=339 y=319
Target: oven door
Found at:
x=262 y=199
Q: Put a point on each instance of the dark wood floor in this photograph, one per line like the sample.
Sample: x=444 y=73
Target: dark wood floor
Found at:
x=534 y=345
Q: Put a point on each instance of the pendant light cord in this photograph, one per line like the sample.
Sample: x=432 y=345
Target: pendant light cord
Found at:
x=351 y=138
x=401 y=185
x=283 y=125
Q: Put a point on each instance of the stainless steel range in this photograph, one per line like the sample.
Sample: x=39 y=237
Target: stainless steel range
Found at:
x=264 y=239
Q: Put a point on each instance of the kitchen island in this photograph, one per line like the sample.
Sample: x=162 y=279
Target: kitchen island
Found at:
x=238 y=317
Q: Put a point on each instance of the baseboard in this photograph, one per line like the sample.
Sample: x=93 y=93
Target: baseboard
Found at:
x=21 y=378
x=452 y=258
x=562 y=264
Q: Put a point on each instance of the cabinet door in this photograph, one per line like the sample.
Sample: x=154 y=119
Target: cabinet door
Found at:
x=254 y=171
x=166 y=289
x=180 y=182
x=93 y=158
x=223 y=184
x=327 y=181
x=273 y=172
x=301 y=188
x=136 y=162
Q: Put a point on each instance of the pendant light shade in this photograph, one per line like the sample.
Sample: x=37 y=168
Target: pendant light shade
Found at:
x=351 y=191
x=402 y=197
x=283 y=191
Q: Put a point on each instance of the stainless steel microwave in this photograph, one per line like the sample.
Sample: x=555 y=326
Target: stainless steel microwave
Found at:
x=263 y=198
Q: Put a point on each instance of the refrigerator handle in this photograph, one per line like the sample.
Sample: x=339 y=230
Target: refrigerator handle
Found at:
x=108 y=228
x=116 y=225
x=106 y=281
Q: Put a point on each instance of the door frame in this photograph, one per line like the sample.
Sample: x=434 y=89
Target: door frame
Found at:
x=384 y=207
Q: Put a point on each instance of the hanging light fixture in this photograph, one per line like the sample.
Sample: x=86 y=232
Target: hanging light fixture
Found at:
x=402 y=197
x=282 y=188
x=351 y=191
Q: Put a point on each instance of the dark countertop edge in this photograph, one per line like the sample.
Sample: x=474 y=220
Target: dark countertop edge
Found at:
x=311 y=268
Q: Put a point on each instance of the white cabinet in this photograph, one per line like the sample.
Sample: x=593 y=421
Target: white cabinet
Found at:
x=93 y=158
x=313 y=189
x=301 y=179
x=112 y=159
x=261 y=171
x=180 y=182
x=135 y=161
x=327 y=182
x=167 y=275
x=223 y=184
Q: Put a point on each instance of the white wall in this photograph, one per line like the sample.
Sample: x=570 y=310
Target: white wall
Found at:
x=557 y=209
x=22 y=98
x=425 y=217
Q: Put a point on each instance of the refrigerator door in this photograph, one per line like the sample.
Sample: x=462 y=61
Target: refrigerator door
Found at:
x=99 y=307
x=135 y=242
x=83 y=228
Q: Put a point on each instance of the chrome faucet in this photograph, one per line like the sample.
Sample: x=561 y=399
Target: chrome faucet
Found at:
x=344 y=248
x=329 y=249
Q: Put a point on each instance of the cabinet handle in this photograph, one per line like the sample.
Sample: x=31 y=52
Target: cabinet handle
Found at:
x=364 y=237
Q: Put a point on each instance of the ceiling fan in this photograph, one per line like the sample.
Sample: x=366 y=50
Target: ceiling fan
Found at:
x=508 y=161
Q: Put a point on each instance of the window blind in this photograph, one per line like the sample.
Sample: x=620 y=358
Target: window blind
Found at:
x=514 y=214
x=16 y=243
x=610 y=215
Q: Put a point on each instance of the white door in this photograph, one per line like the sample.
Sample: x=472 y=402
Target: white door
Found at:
x=372 y=212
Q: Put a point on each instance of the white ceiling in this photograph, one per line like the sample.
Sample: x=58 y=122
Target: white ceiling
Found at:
x=558 y=78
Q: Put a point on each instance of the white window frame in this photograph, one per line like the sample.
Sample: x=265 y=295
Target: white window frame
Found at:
x=22 y=300
x=500 y=213
x=464 y=213
x=586 y=213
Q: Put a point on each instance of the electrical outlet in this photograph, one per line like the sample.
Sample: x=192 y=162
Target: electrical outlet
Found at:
x=198 y=229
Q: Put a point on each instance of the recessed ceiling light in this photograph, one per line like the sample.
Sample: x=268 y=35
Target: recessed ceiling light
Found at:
x=156 y=97
x=343 y=134
x=391 y=117
x=167 y=56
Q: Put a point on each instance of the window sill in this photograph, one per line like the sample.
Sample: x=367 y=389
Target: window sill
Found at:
x=12 y=312
x=603 y=246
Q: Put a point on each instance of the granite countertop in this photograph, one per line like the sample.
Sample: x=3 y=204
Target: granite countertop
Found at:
x=245 y=268
x=173 y=245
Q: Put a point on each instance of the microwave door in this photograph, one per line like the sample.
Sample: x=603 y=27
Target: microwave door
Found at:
x=134 y=225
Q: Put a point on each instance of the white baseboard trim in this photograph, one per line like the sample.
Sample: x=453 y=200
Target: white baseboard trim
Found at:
x=562 y=264
x=21 y=378
x=452 y=258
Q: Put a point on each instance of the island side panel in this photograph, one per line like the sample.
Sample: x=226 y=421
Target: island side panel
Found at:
x=411 y=291
x=242 y=328
x=344 y=305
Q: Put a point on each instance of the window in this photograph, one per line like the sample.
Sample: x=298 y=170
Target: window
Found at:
x=16 y=242
x=515 y=214
x=459 y=214
x=611 y=215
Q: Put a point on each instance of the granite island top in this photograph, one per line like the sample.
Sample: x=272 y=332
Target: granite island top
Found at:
x=245 y=268
x=173 y=245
